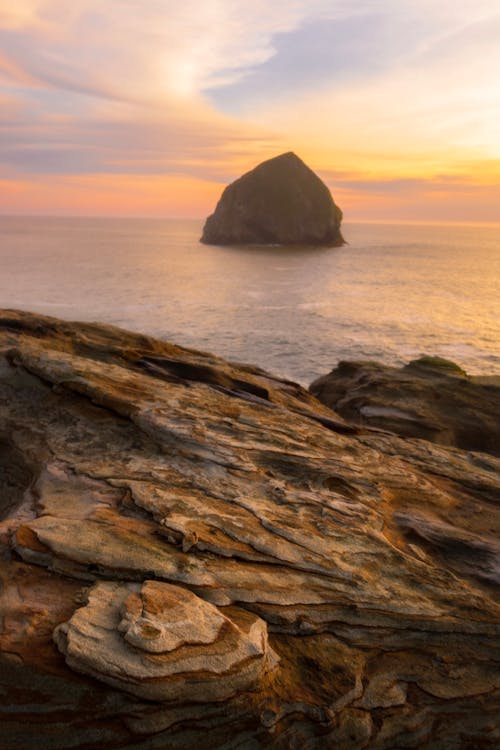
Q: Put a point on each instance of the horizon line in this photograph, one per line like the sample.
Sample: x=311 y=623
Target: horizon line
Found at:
x=161 y=217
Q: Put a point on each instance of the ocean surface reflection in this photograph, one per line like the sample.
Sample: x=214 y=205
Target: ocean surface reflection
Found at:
x=393 y=293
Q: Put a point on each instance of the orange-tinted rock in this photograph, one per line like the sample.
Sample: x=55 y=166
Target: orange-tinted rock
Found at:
x=430 y=398
x=162 y=642
x=222 y=560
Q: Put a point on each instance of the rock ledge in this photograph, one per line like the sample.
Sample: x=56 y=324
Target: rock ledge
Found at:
x=430 y=398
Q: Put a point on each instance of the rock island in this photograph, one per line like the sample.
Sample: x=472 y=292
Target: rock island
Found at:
x=282 y=201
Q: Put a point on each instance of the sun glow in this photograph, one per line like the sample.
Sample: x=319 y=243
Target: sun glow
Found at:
x=397 y=109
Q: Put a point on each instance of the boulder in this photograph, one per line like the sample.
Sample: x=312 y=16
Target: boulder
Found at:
x=199 y=554
x=430 y=398
x=282 y=201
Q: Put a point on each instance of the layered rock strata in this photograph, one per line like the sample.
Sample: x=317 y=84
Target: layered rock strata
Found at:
x=430 y=398
x=162 y=642
x=199 y=553
x=282 y=201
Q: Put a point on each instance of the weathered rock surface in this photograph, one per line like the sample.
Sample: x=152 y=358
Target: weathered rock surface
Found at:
x=200 y=554
x=162 y=642
x=281 y=201
x=430 y=398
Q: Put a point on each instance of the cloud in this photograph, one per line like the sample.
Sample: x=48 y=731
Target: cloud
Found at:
x=441 y=183
x=390 y=89
x=438 y=104
x=20 y=15
x=124 y=141
x=141 y=50
x=104 y=91
x=319 y=54
x=445 y=197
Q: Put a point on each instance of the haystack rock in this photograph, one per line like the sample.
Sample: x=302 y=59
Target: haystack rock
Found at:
x=281 y=201
x=195 y=554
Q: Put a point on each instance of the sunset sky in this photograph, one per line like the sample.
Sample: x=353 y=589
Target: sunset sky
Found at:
x=149 y=107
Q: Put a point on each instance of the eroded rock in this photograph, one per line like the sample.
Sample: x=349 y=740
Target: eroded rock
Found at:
x=161 y=642
x=430 y=398
x=224 y=562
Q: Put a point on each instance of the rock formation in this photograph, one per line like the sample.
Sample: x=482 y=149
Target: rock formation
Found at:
x=281 y=201
x=162 y=642
x=196 y=554
x=430 y=398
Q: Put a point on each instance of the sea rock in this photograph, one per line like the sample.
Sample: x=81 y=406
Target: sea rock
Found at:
x=196 y=553
x=281 y=201
x=430 y=398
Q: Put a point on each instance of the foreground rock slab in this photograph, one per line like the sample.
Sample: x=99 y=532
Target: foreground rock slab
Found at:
x=282 y=201
x=430 y=398
x=199 y=553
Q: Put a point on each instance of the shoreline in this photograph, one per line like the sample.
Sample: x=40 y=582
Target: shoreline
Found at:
x=204 y=553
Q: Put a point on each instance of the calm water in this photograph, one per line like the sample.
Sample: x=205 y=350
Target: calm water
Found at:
x=393 y=293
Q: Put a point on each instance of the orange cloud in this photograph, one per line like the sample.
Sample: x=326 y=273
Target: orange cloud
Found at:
x=116 y=113
x=110 y=195
x=185 y=197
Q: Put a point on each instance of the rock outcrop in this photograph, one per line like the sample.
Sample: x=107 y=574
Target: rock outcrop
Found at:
x=161 y=642
x=281 y=201
x=200 y=554
x=430 y=398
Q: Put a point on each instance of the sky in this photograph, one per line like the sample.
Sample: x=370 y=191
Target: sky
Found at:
x=150 y=107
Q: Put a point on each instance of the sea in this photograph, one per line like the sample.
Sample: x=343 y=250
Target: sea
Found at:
x=393 y=293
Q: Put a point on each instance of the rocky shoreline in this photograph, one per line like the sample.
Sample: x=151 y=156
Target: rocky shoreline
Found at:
x=199 y=553
x=430 y=398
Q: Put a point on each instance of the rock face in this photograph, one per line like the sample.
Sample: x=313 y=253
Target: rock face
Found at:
x=430 y=398
x=200 y=554
x=281 y=201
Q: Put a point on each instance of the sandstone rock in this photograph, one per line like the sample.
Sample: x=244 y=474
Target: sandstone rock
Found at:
x=197 y=554
x=430 y=398
x=162 y=642
x=281 y=201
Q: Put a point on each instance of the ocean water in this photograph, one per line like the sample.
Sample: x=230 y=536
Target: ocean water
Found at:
x=396 y=291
